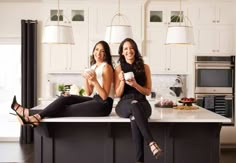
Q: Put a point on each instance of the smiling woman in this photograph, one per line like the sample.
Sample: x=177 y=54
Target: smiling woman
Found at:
x=10 y=84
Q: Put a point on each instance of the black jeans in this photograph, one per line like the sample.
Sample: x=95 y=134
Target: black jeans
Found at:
x=138 y=109
x=78 y=106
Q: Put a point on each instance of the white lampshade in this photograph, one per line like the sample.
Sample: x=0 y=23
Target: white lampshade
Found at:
x=58 y=34
x=179 y=35
x=115 y=34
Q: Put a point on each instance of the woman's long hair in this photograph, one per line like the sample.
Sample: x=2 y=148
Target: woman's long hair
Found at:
x=138 y=61
x=107 y=56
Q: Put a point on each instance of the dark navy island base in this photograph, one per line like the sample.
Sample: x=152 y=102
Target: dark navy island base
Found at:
x=110 y=142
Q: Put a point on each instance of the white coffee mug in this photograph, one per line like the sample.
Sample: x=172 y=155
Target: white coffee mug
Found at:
x=128 y=75
x=88 y=70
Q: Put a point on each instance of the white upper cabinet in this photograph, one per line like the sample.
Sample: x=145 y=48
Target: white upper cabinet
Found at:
x=164 y=14
x=165 y=59
x=101 y=16
x=215 y=40
x=69 y=58
x=214 y=27
x=215 y=13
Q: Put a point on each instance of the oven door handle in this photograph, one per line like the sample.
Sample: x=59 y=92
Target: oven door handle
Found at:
x=227 y=97
x=213 y=66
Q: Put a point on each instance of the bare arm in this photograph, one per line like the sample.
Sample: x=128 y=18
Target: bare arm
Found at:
x=119 y=81
x=145 y=90
x=88 y=87
x=104 y=90
x=87 y=84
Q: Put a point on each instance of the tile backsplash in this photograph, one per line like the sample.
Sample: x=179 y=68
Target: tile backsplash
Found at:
x=159 y=82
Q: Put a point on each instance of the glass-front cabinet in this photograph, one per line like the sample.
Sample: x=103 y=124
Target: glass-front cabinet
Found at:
x=72 y=15
x=158 y=17
x=63 y=58
x=162 y=15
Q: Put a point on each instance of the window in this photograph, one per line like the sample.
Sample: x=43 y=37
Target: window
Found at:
x=10 y=85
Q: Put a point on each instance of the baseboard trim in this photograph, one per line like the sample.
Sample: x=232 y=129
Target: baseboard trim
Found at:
x=228 y=146
x=9 y=139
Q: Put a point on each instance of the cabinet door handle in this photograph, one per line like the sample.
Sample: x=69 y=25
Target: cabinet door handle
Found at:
x=213 y=51
x=218 y=21
x=213 y=21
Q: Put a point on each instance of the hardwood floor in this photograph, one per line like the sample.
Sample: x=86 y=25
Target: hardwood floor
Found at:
x=228 y=155
x=13 y=152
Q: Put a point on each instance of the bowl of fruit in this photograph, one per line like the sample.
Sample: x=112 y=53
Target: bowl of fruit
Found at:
x=187 y=101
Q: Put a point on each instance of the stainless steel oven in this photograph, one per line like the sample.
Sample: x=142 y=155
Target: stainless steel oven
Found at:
x=225 y=106
x=214 y=74
x=215 y=84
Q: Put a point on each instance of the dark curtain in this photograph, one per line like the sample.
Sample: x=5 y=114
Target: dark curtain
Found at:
x=28 y=73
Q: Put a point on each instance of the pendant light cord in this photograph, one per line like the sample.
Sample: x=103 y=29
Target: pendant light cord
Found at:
x=180 y=12
x=119 y=10
x=119 y=7
x=180 y=4
x=58 y=12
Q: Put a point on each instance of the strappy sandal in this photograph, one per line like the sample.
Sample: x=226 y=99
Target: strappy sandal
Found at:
x=22 y=118
x=14 y=102
x=34 y=123
x=156 y=150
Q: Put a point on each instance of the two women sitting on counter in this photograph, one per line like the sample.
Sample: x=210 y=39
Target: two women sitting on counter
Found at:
x=132 y=83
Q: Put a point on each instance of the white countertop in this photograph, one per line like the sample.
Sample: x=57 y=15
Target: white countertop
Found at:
x=200 y=115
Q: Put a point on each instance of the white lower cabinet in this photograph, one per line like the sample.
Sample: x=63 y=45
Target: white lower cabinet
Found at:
x=165 y=59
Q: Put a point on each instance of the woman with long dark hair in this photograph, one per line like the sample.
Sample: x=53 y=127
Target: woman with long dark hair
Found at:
x=132 y=91
x=98 y=81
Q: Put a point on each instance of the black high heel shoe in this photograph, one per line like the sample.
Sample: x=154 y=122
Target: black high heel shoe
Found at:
x=14 y=101
x=21 y=117
x=23 y=121
x=156 y=151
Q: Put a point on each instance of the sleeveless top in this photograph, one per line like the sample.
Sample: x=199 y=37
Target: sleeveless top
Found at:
x=98 y=70
x=140 y=78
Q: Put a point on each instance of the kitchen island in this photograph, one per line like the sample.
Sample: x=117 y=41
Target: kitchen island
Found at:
x=186 y=136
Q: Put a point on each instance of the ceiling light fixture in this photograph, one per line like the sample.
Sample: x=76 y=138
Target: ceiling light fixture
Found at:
x=115 y=33
x=181 y=32
x=58 y=32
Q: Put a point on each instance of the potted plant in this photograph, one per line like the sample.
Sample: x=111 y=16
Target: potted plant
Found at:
x=61 y=89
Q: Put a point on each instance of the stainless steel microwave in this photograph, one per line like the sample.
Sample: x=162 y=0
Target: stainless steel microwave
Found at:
x=214 y=74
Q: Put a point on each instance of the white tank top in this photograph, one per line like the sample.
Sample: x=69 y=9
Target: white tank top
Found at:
x=98 y=71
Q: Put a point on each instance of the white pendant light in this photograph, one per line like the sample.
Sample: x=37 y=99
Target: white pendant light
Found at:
x=59 y=32
x=180 y=33
x=116 y=33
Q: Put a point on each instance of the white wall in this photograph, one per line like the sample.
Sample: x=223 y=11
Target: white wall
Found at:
x=228 y=134
x=11 y=15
